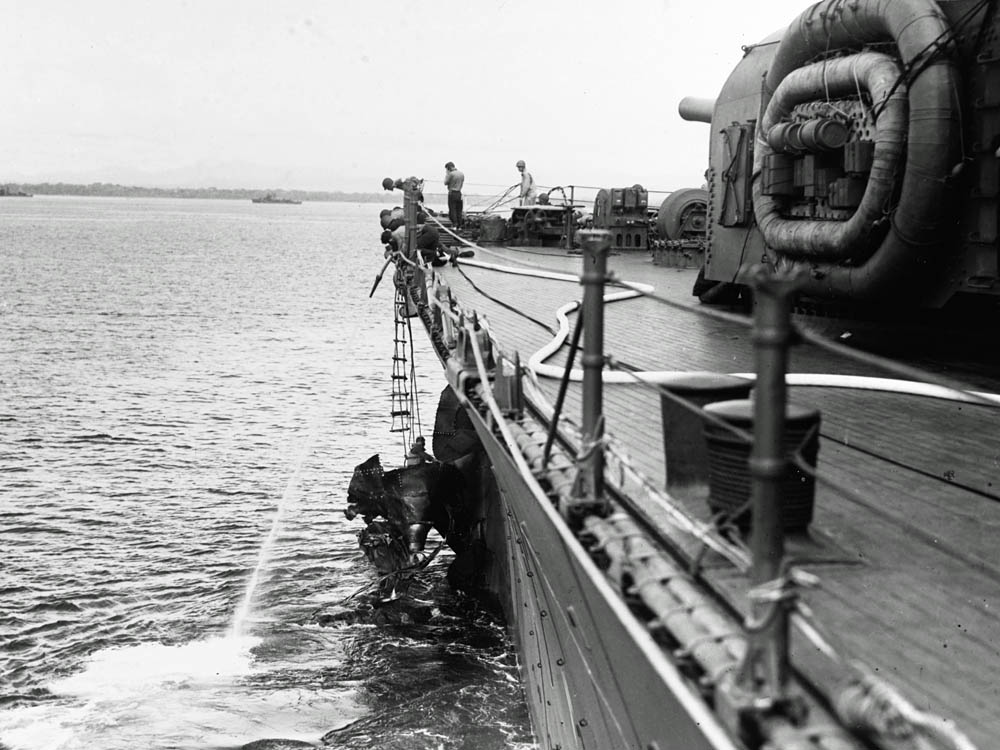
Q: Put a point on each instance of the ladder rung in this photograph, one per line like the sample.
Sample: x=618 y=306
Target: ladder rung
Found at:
x=399 y=413
x=399 y=377
x=400 y=429
x=399 y=359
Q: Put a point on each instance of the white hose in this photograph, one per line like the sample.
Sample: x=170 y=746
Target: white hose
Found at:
x=887 y=385
x=522 y=271
x=536 y=363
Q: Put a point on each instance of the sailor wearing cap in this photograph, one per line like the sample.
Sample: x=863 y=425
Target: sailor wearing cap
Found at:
x=454 y=179
x=527 y=185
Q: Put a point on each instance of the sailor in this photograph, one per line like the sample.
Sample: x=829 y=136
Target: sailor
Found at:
x=418 y=454
x=395 y=239
x=454 y=179
x=527 y=185
x=389 y=242
x=427 y=242
x=391 y=218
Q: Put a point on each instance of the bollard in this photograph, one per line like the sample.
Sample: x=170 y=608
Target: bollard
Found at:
x=729 y=476
x=684 y=445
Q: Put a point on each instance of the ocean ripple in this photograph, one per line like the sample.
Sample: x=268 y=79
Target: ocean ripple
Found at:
x=168 y=367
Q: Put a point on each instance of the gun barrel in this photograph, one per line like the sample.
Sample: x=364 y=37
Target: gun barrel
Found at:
x=696 y=109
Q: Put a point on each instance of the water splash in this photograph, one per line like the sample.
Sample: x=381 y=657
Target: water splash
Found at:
x=242 y=612
x=198 y=694
x=117 y=673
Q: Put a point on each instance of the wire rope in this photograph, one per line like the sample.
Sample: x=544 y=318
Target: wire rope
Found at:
x=912 y=381
x=414 y=396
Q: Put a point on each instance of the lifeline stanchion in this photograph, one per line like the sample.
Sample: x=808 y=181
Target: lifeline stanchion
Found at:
x=411 y=203
x=570 y=218
x=588 y=491
x=766 y=669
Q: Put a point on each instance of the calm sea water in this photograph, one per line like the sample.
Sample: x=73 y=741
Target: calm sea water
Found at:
x=185 y=388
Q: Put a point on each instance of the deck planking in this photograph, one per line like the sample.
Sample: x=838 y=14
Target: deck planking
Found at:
x=916 y=592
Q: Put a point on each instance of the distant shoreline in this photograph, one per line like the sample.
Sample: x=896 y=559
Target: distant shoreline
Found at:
x=110 y=190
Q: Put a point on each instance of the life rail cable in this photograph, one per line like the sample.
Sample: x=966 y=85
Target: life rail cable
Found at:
x=506 y=305
x=652 y=651
x=844 y=491
x=945 y=388
x=625 y=374
x=414 y=396
x=654 y=380
x=563 y=276
x=502 y=199
x=880 y=696
x=910 y=381
x=918 y=382
x=951 y=391
x=630 y=479
x=404 y=397
x=867 y=700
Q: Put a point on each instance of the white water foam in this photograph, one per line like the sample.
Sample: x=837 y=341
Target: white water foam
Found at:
x=156 y=695
x=131 y=693
x=153 y=695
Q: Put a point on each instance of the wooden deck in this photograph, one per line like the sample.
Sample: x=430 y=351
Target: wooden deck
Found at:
x=909 y=563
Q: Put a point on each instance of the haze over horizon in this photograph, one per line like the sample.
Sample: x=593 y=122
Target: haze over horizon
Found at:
x=305 y=95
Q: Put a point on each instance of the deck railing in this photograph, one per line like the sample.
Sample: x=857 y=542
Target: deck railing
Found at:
x=765 y=671
x=760 y=684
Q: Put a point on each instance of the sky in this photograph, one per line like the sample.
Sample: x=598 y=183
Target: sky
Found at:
x=336 y=95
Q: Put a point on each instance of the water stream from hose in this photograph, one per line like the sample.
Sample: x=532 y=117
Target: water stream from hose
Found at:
x=242 y=612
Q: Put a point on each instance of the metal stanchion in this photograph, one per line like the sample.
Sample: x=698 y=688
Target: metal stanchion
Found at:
x=760 y=687
x=410 y=206
x=589 y=488
x=570 y=218
x=772 y=335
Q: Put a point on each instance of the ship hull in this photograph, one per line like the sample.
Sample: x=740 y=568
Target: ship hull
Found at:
x=592 y=677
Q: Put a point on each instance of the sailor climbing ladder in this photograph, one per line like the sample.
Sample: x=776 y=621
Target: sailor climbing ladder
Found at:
x=405 y=407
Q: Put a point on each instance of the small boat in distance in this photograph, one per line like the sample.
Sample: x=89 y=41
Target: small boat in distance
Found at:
x=272 y=198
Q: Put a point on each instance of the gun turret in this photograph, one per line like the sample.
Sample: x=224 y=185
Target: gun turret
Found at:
x=872 y=170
